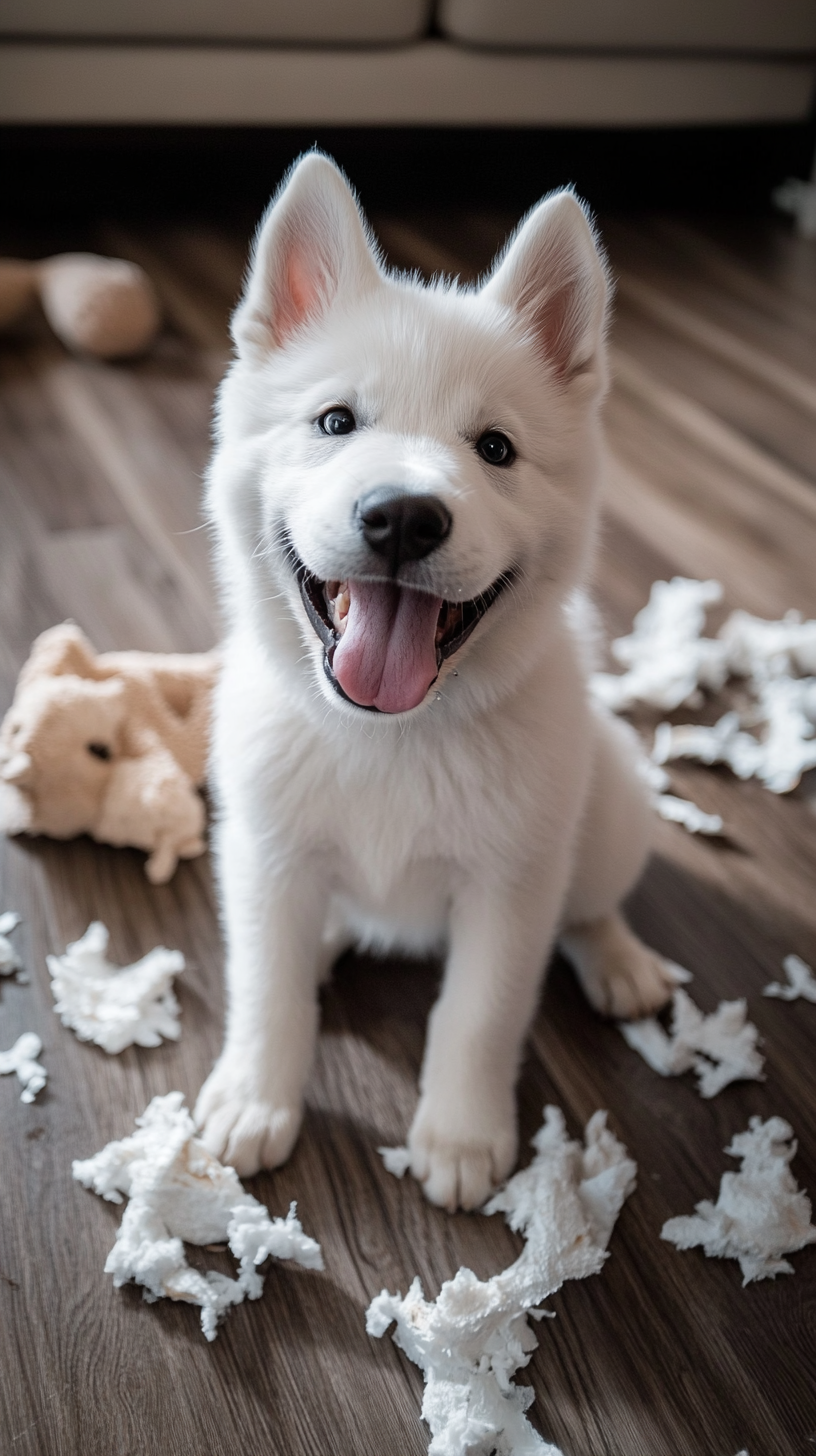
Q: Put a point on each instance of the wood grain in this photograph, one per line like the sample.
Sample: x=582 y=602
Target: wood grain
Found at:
x=711 y=425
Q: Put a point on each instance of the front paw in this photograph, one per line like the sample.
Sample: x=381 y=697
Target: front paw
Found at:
x=243 y=1122
x=460 y=1152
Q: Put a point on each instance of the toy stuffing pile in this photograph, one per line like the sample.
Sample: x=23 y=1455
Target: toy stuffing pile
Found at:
x=116 y=1007
x=150 y=716
x=720 y=1048
x=670 y=664
x=760 y=1213
x=471 y=1340
x=178 y=1192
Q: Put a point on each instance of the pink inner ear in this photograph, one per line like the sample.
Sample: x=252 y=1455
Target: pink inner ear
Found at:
x=558 y=325
x=297 y=297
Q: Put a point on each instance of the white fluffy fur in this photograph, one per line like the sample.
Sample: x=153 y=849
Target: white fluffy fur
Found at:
x=504 y=809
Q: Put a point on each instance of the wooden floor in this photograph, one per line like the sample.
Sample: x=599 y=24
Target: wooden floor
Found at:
x=712 y=421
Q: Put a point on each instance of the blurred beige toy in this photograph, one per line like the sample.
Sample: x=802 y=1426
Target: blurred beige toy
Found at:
x=101 y=306
x=112 y=745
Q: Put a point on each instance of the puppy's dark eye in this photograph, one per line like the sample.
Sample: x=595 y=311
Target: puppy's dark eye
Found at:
x=337 y=422
x=99 y=750
x=495 y=448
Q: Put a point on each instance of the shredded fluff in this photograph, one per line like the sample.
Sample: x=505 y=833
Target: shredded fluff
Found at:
x=9 y=959
x=179 y=1193
x=786 y=751
x=800 y=981
x=689 y=814
x=669 y=663
x=666 y=658
x=22 y=1059
x=721 y=1048
x=760 y=1213
x=473 y=1338
x=396 y=1160
x=114 y=1007
x=787 y=646
x=668 y=806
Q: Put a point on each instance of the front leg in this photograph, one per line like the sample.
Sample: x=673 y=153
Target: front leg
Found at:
x=251 y=1106
x=464 y=1139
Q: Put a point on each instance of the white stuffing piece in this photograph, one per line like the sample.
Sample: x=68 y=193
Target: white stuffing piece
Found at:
x=9 y=959
x=178 y=1192
x=788 y=748
x=114 y=1007
x=722 y=743
x=800 y=981
x=667 y=660
x=472 y=1339
x=689 y=814
x=668 y=806
x=396 y=1160
x=787 y=646
x=22 y=1059
x=668 y=663
x=721 y=1048
x=786 y=751
x=760 y=1213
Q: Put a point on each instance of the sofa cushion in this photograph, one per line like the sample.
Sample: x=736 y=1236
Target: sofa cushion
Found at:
x=432 y=83
x=700 y=25
x=317 y=22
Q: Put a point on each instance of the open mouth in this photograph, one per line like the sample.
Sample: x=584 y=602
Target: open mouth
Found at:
x=384 y=643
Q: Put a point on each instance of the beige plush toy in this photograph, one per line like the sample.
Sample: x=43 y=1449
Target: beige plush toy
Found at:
x=101 y=306
x=110 y=745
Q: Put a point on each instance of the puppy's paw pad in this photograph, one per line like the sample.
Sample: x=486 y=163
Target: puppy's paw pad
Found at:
x=245 y=1130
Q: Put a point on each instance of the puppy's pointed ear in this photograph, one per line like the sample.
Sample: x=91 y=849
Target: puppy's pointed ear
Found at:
x=312 y=246
x=552 y=274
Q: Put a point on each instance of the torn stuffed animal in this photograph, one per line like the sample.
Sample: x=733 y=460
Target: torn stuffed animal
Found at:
x=472 y=1339
x=760 y=1213
x=721 y=1048
x=113 y=1007
x=784 y=710
x=179 y=1193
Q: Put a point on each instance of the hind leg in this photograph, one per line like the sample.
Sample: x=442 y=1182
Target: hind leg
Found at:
x=620 y=976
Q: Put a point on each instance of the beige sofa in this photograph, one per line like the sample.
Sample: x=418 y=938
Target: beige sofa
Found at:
x=601 y=63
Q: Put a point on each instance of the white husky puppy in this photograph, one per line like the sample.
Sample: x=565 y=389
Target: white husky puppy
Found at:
x=404 y=491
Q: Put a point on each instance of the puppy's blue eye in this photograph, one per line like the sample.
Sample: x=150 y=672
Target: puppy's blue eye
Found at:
x=337 y=422
x=495 y=448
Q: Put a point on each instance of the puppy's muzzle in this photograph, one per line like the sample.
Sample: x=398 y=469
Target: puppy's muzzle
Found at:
x=402 y=527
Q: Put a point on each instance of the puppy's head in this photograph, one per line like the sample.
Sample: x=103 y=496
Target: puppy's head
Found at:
x=405 y=475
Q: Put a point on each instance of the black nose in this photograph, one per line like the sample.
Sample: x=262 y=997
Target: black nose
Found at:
x=403 y=527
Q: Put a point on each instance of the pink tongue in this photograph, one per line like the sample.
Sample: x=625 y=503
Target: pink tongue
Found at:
x=386 y=657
